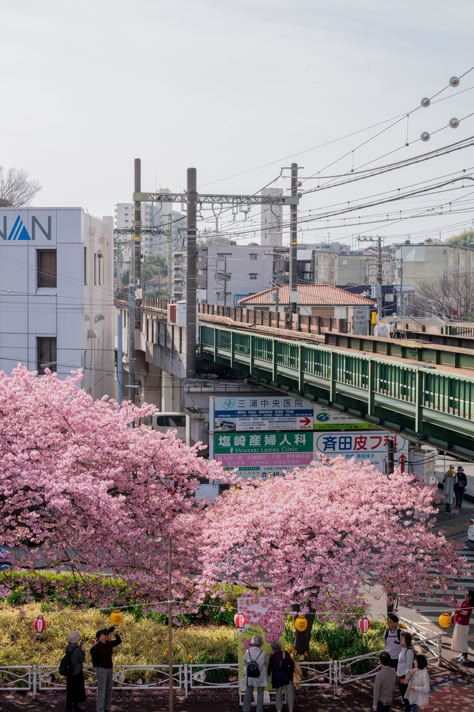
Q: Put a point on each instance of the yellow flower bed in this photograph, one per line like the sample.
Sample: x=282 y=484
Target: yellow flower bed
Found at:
x=144 y=642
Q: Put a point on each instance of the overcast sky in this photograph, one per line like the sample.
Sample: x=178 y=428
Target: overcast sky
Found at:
x=226 y=86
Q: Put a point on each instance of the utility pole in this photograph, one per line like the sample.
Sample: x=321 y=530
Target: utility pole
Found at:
x=293 y=244
x=191 y=276
x=378 y=295
x=402 y=306
x=134 y=290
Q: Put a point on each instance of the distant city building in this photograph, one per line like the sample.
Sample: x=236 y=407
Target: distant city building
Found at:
x=226 y=273
x=166 y=227
x=431 y=262
x=56 y=307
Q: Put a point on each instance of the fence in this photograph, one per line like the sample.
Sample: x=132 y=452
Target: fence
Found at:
x=194 y=677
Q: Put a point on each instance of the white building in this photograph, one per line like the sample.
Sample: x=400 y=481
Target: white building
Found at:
x=168 y=226
x=227 y=273
x=56 y=293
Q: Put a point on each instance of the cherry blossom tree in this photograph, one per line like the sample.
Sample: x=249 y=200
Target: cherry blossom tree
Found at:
x=80 y=489
x=320 y=537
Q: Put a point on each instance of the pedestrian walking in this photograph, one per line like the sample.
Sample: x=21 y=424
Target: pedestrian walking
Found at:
x=255 y=674
x=448 y=483
x=384 y=685
x=406 y=659
x=462 y=617
x=101 y=654
x=460 y=484
x=281 y=669
x=392 y=638
x=75 y=686
x=418 y=690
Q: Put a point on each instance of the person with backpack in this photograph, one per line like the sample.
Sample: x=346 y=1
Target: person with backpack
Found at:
x=281 y=668
x=101 y=655
x=255 y=673
x=71 y=667
x=405 y=663
x=392 y=637
x=460 y=484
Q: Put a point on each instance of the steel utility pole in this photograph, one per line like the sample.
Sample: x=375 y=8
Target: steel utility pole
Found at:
x=191 y=277
x=293 y=244
x=134 y=290
x=378 y=239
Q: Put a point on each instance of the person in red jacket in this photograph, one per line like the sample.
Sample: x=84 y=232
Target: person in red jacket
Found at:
x=101 y=654
x=462 y=616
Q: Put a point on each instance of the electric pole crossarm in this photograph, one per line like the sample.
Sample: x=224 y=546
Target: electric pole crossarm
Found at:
x=218 y=198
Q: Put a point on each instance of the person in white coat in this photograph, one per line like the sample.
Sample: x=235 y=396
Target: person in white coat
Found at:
x=255 y=654
x=418 y=690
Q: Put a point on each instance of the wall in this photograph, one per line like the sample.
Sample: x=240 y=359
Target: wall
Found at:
x=70 y=311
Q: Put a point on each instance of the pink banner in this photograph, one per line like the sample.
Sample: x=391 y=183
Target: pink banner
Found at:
x=293 y=459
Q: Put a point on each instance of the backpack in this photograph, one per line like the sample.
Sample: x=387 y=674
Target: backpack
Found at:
x=462 y=480
x=399 y=633
x=286 y=665
x=65 y=666
x=253 y=669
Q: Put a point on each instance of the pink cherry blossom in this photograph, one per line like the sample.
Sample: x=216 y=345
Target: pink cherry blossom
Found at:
x=81 y=489
x=317 y=537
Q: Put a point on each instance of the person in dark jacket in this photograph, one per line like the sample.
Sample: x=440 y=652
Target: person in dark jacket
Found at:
x=281 y=668
x=101 y=655
x=75 y=687
x=460 y=484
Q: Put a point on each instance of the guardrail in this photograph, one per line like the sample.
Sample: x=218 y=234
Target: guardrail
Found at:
x=194 y=677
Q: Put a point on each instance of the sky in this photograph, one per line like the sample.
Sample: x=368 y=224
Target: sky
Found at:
x=228 y=86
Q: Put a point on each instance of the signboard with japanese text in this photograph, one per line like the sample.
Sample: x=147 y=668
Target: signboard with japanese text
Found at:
x=332 y=419
x=264 y=616
x=262 y=412
x=371 y=446
x=263 y=454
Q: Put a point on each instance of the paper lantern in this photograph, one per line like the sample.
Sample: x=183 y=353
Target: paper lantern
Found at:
x=40 y=624
x=444 y=620
x=116 y=618
x=301 y=623
x=240 y=620
x=364 y=624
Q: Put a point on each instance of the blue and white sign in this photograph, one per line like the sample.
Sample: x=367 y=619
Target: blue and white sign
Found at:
x=26 y=226
x=362 y=445
x=265 y=412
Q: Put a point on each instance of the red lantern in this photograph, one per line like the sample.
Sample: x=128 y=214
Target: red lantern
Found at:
x=40 y=624
x=240 y=620
x=364 y=624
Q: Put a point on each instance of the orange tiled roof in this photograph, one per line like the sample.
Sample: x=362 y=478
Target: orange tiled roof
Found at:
x=309 y=295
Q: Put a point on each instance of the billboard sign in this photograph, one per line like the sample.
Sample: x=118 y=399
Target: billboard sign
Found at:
x=24 y=226
x=332 y=419
x=265 y=413
x=263 y=454
x=370 y=446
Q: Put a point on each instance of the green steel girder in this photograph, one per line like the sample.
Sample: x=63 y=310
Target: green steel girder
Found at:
x=429 y=405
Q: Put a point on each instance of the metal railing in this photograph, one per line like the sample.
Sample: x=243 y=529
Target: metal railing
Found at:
x=194 y=677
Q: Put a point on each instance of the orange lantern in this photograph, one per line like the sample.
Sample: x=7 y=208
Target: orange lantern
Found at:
x=301 y=623
x=116 y=618
x=444 y=620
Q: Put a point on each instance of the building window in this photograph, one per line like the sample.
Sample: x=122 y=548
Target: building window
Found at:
x=253 y=275
x=85 y=265
x=46 y=353
x=46 y=268
x=253 y=256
